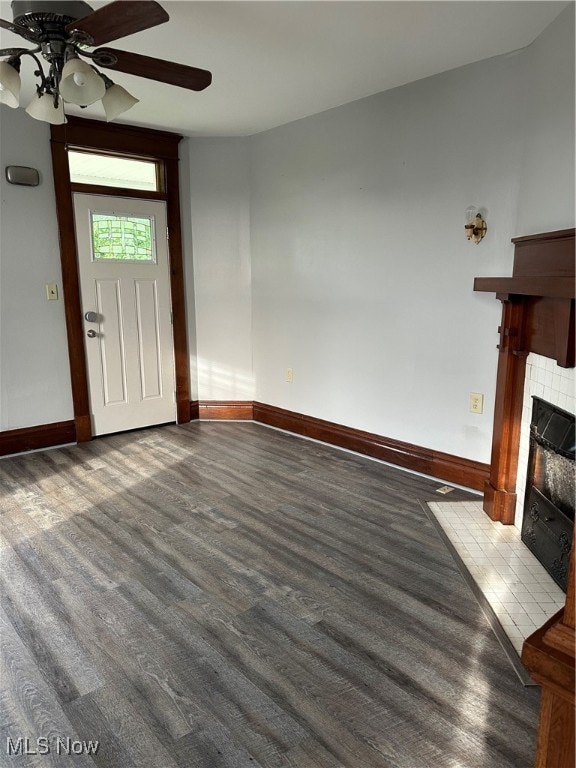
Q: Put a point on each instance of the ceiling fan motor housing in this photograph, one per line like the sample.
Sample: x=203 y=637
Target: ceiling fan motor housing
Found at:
x=34 y=13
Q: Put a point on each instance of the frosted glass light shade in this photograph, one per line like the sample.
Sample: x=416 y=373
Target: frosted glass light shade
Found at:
x=117 y=100
x=9 y=85
x=42 y=108
x=470 y=214
x=80 y=84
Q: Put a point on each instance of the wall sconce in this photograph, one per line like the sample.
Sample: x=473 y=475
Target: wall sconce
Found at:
x=475 y=227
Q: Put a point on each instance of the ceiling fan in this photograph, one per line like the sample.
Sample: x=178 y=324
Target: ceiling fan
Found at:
x=61 y=32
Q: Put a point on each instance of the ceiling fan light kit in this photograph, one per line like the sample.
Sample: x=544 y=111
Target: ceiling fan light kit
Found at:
x=80 y=84
x=116 y=100
x=62 y=32
x=43 y=108
x=9 y=84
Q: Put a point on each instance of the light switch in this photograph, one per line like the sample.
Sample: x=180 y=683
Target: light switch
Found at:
x=52 y=291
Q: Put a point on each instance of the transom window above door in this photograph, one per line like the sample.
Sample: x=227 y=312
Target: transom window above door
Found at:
x=112 y=171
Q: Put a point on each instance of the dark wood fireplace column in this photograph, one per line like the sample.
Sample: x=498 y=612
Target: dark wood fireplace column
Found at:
x=537 y=316
x=500 y=489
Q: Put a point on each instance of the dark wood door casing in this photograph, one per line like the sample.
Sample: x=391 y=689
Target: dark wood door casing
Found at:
x=127 y=141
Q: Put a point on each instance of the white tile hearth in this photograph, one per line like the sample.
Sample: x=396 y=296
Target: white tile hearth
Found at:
x=518 y=589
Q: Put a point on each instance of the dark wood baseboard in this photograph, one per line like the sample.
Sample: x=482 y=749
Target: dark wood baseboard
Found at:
x=225 y=409
x=453 y=469
x=32 y=438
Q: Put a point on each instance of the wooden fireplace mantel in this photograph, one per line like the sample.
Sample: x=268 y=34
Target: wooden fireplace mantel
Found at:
x=537 y=316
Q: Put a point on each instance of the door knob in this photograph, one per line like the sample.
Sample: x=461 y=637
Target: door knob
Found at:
x=91 y=317
x=91 y=334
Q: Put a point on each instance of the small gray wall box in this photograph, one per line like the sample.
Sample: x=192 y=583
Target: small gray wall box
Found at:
x=19 y=174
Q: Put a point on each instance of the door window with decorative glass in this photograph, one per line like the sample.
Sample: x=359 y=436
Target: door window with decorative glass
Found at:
x=122 y=238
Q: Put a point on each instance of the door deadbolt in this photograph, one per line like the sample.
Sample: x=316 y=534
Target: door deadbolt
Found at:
x=91 y=334
x=91 y=317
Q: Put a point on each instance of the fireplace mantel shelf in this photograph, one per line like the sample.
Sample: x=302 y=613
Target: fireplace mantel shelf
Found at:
x=553 y=286
x=543 y=267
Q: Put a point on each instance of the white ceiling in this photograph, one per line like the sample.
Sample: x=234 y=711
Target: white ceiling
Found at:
x=274 y=61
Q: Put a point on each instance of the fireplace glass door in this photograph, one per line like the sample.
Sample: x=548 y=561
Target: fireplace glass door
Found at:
x=548 y=519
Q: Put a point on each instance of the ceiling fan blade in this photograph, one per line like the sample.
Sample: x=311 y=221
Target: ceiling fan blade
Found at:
x=24 y=32
x=154 y=69
x=119 y=19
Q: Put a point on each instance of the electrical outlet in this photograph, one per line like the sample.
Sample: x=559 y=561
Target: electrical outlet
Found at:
x=476 y=402
x=52 y=291
x=289 y=375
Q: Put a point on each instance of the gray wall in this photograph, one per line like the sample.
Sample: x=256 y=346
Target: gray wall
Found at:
x=34 y=369
x=334 y=246
x=220 y=260
x=361 y=275
x=546 y=184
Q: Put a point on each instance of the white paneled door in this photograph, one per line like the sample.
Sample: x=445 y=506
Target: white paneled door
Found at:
x=125 y=293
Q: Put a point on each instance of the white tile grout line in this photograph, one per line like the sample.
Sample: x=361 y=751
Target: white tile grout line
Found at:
x=503 y=573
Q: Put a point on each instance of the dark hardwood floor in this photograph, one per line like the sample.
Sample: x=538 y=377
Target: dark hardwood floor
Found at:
x=227 y=595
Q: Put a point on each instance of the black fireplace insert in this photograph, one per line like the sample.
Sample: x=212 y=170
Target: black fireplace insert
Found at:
x=548 y=519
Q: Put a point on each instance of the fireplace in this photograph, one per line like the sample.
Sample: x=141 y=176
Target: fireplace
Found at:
x=538 y=316
x=548 y=520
